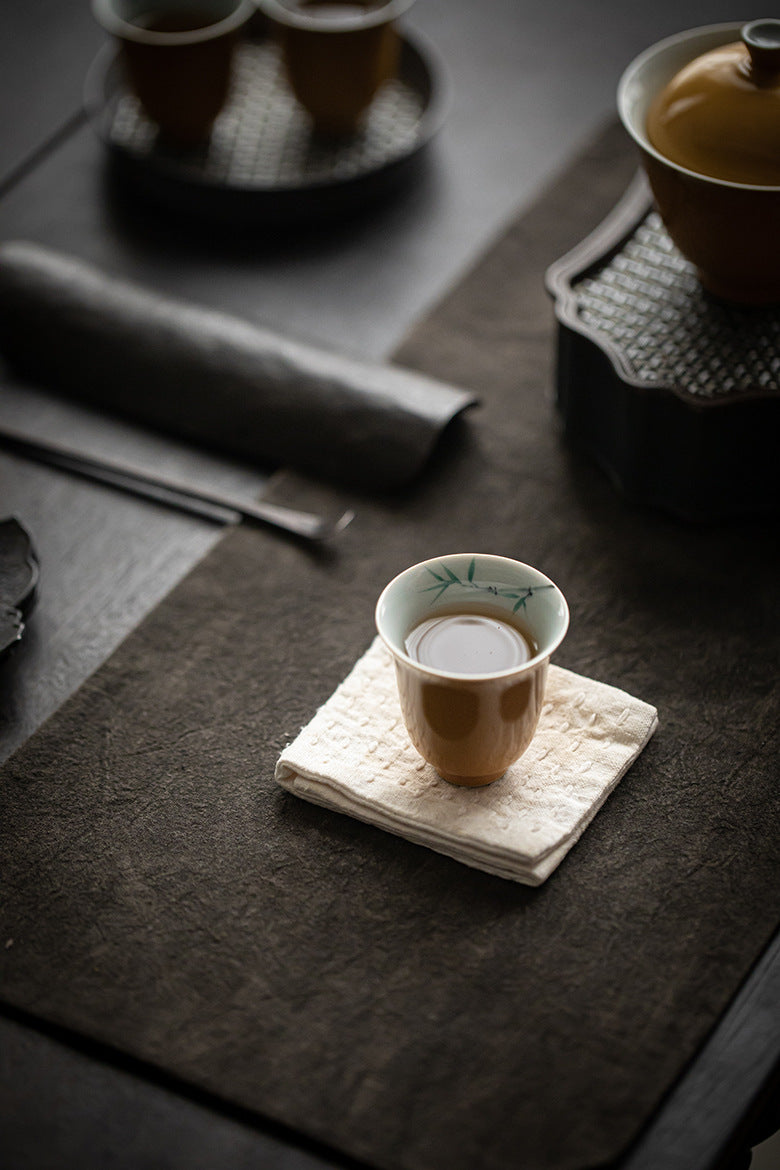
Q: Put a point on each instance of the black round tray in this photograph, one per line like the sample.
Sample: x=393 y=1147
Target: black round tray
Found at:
x=19 y=572
x=262 y=163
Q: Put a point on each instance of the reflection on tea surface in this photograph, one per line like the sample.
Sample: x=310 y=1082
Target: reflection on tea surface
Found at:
x=472 y=642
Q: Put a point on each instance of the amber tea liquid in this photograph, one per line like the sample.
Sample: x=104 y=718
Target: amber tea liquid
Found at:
x=337 y=9
x=174 y=22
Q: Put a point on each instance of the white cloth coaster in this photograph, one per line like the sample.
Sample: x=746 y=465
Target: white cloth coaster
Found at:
x=355 y=757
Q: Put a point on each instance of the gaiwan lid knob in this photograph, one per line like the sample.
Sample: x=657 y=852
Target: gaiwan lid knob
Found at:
x=720 y=115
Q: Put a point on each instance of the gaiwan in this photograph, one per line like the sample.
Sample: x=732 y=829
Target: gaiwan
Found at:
x=704 y=108
x=720 y=115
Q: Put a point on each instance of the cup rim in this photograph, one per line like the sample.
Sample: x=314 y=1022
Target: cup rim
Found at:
x=509 y=672
x=379 y=13
x=729 y=30
x=104 y=13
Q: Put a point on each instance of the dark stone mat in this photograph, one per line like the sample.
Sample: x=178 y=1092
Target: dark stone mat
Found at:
x=164 y=897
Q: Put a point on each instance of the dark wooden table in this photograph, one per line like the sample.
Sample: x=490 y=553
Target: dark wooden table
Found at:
x=530 y=81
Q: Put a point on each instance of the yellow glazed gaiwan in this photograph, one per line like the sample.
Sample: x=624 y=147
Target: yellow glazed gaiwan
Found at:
x=704 y=108
x=720 y=115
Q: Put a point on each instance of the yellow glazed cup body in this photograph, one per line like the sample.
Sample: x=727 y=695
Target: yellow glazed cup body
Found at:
x=470 y=728
x=336 y=56
x=180 y=75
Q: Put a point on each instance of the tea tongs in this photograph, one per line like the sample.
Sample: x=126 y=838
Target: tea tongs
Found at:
x=221 y=507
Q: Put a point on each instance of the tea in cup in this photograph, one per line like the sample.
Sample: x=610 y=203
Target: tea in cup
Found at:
x=177 y=56
x=471 y=637
x=337 y=54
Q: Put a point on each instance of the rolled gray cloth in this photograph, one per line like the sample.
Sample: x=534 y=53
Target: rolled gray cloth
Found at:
x=212 y=378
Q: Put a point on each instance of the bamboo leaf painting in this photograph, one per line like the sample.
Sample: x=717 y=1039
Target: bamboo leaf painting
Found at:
x=446 y=579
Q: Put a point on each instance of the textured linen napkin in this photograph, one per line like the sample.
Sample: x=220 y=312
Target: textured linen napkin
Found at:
x=355 y=757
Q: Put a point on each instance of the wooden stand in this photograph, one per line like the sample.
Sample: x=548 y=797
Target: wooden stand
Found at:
x=675 y=394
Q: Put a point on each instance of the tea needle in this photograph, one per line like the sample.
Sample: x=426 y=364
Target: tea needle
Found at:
x=221 y=507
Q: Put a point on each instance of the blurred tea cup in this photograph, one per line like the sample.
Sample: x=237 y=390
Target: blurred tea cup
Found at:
x=471 y=637
x=177 y=56
x=337 y=54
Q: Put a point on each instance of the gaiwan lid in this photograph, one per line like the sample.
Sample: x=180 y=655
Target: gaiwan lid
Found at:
x=720 y=115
